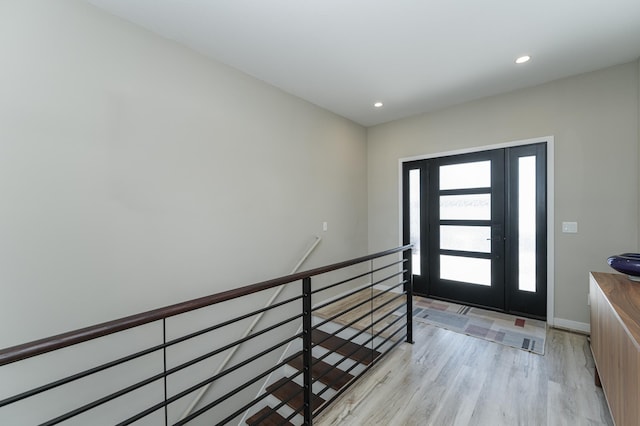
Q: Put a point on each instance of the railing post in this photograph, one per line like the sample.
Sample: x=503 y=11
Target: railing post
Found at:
x=164 y=362
x=408 y=277
x=306 y=351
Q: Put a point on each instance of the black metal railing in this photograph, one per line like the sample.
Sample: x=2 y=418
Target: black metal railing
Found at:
x=166 y=374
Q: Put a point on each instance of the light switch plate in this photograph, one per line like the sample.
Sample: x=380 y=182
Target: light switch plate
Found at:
x=570 y=227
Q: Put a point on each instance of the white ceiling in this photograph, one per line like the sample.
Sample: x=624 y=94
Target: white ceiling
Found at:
x=413 y=55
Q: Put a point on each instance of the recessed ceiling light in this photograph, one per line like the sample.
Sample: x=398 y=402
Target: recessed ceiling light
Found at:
x=523 y=59
x=378 y=104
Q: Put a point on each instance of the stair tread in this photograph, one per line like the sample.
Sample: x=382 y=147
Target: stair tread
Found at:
x=362 y=354
x=273 y=419
x=329 y=374
x=289 y=388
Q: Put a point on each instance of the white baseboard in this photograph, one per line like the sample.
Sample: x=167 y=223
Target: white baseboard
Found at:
x=581 y=327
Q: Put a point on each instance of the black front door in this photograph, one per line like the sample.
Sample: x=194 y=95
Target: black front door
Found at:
x=478 y=223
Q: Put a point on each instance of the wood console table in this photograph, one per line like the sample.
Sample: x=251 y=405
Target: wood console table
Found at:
x=615 y=343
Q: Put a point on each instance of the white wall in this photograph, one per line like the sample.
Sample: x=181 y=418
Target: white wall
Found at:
x=135 y=173
x=594 y=119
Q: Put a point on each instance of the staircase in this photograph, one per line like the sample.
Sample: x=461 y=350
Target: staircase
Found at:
x=341 y=350
x=335 y=357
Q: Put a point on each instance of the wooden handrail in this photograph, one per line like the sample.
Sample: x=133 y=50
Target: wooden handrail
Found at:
x=48 y=344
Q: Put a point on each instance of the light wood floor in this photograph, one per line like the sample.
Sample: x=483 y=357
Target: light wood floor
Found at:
x=383 y=303
x=446 y=378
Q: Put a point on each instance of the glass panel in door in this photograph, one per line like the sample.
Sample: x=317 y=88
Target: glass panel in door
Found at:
x=527 y=223
x=414 y=219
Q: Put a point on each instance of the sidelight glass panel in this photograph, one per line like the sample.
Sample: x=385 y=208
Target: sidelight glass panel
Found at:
x=465 y=207
x=414 y=219
x=466 y=269
x=465 y=238
x=527 y=223
x=466 y=175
